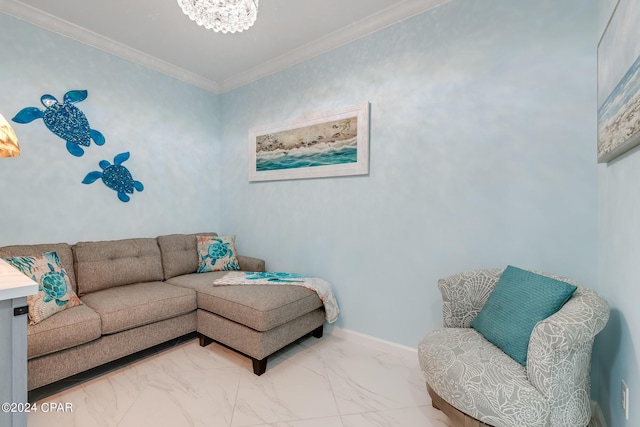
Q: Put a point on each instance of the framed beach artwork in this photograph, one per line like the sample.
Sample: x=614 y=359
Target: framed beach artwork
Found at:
x=619 y=82
x=332 y=143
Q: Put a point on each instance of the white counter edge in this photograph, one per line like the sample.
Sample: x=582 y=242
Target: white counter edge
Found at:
x=14 y=284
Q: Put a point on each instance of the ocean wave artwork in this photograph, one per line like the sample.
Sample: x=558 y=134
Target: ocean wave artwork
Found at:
x=619 y=115
x=325 y=144
x=320 y=155
x=330 y=143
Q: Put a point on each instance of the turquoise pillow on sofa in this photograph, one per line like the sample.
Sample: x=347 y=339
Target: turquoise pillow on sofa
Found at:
x=519 y=300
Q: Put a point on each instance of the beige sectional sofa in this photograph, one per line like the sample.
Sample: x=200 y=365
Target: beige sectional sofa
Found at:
x=138 y=293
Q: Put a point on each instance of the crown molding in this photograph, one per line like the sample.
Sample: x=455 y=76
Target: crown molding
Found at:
x=378 y=21
x=359 y=29
x=65 y=28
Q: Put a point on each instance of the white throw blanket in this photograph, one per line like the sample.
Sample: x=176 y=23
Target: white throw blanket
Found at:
x=319 y=286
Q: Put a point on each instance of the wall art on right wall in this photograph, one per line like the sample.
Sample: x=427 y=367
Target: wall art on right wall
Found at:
x=619 y=82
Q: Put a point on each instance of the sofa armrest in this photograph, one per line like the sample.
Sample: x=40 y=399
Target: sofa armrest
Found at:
x=250 y=264
x=464 y=295
x=559 y=354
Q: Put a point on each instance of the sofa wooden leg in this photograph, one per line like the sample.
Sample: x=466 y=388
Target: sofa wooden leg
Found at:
x=259 y=366
x=204 y=340
x=317 y=332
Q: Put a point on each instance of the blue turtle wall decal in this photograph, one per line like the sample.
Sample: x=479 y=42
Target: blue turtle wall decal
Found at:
x=116 y=177
x=65 y=120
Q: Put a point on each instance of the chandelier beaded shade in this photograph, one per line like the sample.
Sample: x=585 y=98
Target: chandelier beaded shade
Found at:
x=227 y=16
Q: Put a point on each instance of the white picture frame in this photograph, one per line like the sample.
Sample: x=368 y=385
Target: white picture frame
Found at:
x=619 y=82
x=328 y=144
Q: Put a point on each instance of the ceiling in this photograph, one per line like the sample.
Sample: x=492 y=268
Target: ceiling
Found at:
x=156 y=33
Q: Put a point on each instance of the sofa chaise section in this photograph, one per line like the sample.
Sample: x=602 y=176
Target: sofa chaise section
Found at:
x=255 y=320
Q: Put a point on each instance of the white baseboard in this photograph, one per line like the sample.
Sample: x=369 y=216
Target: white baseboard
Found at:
x=596 y=413
x=404 y=351
x=370 y=341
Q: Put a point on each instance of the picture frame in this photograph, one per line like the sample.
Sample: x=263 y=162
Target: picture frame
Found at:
x=327 y=144
x=619 y=82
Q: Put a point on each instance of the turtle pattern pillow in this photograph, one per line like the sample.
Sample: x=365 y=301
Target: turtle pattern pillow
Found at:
x=54 y=287
x=217 y=253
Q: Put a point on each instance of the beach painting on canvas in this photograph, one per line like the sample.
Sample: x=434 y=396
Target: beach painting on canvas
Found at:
x=619 y=82
x=333 y=143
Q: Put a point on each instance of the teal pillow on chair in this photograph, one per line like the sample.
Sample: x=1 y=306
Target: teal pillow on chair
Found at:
x=519 y=300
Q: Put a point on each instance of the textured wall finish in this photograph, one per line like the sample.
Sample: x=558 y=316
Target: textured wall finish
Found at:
x=483 y=133
x=482 y=154
x=169 y=127
x=618 y=347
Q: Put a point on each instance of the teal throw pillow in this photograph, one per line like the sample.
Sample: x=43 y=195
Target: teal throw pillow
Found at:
x=217 y=253
x=519 y=300
x=54 y=287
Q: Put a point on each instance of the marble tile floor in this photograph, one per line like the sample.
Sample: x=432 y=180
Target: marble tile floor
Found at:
x=327 y=382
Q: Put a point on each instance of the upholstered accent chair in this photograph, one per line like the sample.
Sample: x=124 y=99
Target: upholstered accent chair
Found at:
x=477 y=384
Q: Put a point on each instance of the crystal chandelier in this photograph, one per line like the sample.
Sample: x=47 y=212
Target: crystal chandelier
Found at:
x=227 y=16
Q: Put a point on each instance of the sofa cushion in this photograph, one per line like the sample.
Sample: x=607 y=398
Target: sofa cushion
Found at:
x=69 y=328
x=54 y=287
x=477 y=378
x=62 y=249
x=103 y=265
x=179 y=253
x=125 y=307
x=519 y=300
x=260 y=307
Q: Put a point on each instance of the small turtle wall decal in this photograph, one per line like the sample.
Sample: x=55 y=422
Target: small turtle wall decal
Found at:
x=65 y=120
x=116 y=177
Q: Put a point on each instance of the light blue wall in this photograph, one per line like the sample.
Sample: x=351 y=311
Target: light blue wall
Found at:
x=171 y=129
x=618 y=345
x=482 y=154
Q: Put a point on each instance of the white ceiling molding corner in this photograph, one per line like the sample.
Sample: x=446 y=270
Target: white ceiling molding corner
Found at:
x=75 y=32
x=359 y=29
x=376 y=22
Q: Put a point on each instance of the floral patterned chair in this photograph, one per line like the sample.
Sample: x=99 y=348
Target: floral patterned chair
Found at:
x=476 y=384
